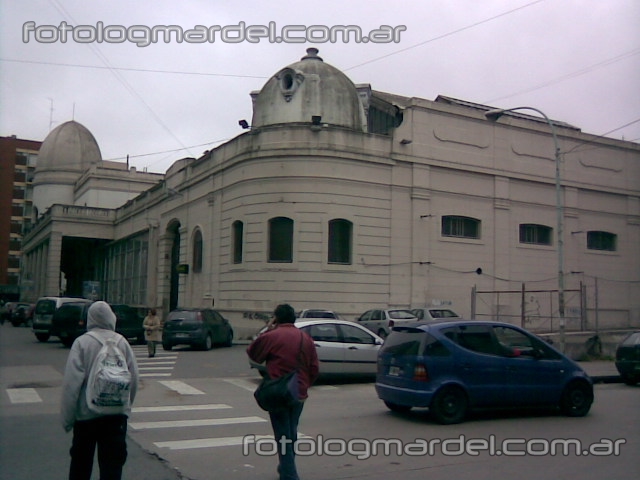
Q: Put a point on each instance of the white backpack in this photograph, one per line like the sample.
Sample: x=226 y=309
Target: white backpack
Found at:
x=109 y=384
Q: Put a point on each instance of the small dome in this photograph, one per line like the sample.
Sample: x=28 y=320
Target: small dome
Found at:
x=69 y=146
x=309 y=88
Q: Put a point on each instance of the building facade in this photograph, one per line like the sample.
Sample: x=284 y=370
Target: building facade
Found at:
x=339 y=196
x=18 y=158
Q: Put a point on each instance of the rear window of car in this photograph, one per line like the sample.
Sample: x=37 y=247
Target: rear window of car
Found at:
x=403 y=342
x=188 y=316
x=46 y=307
x=443 y=313
x=632 y=340
x=400 y=314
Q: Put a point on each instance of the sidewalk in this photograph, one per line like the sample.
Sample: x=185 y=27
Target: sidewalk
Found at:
x=601 y=371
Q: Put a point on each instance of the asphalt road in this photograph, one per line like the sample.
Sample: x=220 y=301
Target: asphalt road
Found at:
x=195 y=414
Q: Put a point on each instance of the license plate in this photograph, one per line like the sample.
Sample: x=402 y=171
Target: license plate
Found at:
x=182 y=335
x=395 y=371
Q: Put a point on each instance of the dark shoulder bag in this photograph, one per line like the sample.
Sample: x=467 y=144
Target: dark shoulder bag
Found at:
x=282 y=392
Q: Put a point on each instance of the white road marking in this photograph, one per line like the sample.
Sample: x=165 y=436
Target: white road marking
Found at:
x=154 y=375
x=242 y=383
x=23 y=395
x=181 y=408
x=181 y=387
x=195 y=423
x=215 y=442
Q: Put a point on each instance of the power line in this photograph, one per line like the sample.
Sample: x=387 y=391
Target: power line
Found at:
x=440 y=37
x=127 y=69
x=118 y=76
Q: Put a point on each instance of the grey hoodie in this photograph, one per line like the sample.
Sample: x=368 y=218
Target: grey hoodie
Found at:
x=101 y=320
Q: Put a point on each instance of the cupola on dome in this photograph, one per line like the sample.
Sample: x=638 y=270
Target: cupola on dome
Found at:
x=306 y=90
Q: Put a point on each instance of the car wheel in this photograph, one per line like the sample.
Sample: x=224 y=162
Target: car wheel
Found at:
x=15 y=323
x=167 y=346
x=208 y=343
x=576 y=399
x=449 y=405
x=394 y=407
x=229 y=341
x=67 y=341
x=42 y=337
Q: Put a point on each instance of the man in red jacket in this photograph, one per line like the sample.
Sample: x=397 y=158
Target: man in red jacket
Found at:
x=284 y=348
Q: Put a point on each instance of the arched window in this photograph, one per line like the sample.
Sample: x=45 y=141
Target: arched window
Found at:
x=461 y=227
x=281 y=239
x=535 y=234
x=237 y=231
x=597 y=240
x=340 y=241
x=197 y=251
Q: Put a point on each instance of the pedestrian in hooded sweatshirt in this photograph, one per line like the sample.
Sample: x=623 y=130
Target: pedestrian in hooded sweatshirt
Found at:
x=107 y=432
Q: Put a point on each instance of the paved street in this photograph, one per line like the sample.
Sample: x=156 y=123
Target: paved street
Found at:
x=190 y=424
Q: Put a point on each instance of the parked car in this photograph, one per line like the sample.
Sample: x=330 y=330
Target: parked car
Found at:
x=70 y=321
x=628 y=359
x=380 y=322
x=6 y=310
x=43 y=314
x=344 y=348
x=200 y=328
x=22 y=314
x=317 y=313
x=452 y=367
x=434 y=313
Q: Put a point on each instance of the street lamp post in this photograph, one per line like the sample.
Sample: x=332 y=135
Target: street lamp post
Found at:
x=495 y=115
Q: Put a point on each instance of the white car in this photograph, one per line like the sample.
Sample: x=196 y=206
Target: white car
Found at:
x=344 y=348
x=317 y=313
x=382 y=321
x=430 y=314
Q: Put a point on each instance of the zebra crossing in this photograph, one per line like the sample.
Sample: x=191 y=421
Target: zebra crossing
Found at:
x=161 y=365
x=212 y=425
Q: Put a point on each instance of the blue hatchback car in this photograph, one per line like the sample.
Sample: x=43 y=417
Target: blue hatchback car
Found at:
x=454 y=366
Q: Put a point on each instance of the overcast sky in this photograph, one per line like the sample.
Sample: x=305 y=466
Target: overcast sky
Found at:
x=576 y=60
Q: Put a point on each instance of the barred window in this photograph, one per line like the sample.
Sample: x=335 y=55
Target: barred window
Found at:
x=461 y=227
x=535 y=234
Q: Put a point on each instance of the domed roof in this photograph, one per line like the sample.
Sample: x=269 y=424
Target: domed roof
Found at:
x=69 y=146
x=309 y=88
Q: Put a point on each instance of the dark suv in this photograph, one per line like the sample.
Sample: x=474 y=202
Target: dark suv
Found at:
x=200 y=328
x=70 y=321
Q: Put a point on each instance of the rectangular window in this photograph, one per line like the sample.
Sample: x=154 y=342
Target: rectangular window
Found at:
x=281 y=240
x=597 y=240
x=461 y=227
x=237 y=232
x=535 y=234
x=340 y=241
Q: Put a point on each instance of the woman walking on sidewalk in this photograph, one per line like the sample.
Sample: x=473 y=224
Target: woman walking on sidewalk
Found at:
x=152 y=331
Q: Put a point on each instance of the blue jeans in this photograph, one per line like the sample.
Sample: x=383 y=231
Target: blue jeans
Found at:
x=285 y=431
x=109 y=434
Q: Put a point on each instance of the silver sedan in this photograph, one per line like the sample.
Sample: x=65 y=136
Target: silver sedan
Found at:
x=344 y=348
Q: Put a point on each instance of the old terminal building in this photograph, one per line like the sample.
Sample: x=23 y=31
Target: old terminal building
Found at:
x=342 y=197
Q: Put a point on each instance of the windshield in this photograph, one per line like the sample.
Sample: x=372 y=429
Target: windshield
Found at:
x=46 y=307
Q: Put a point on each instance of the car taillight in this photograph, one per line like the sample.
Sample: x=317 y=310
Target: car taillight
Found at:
x=420 y=373
x=391 y=323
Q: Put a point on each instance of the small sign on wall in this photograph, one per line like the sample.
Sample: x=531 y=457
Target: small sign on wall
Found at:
x=183 y=268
